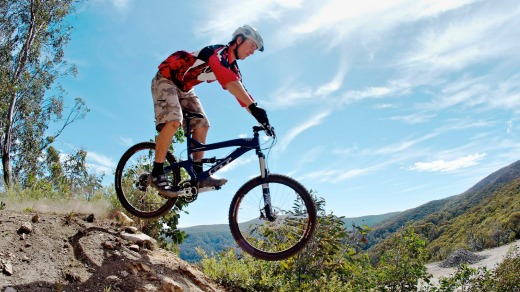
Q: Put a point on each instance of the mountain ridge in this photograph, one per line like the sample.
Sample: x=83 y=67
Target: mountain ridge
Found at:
x=489 y=208
x=384 y=225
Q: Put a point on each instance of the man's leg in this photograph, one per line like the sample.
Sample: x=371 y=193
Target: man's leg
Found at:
x=199 y=134
x=164 y=140
x=168 y=117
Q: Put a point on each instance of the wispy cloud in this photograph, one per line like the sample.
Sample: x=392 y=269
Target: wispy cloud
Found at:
x=120 y=5
x=100 y=163
x=393 y=88
x=100 y=159
x=289 y=95
x=125 y=141
x=237 y=163
x=443 y=166
x=339 y=175
x=403 y=145
x=293 y=133
x=415 y=118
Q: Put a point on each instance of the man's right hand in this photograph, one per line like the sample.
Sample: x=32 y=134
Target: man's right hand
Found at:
x=259 y=113
x=261 y=116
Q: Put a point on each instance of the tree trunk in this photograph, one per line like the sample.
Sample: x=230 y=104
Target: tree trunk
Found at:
x=6 y=164
x=6 y=151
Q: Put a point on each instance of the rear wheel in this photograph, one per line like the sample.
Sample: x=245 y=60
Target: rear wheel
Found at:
x=132 y=188
x=284 y=235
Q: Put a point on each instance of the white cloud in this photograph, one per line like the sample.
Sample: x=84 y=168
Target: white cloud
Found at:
x=467 y=38
x=101 y=160
x=403 y=145
x=510 y=126
x=393 y=88
x=294 y=95
x=120 y=5
x=293 y=133
x=415 y=118
x=236 y=163
x=443 y=166
x=126 y=141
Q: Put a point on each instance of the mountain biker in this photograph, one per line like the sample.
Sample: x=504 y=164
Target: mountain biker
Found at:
x=172 y=91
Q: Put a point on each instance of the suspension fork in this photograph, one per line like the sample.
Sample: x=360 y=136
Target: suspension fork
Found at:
x=264 y=173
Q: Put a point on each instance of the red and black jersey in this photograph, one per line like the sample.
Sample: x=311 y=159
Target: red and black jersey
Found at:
x=209 y=64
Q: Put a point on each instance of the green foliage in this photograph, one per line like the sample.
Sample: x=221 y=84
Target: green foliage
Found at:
x=507 y=274
x=216 y=238
x=494 y=221
x=403 y=262
x=213 y=239
x=332 y=261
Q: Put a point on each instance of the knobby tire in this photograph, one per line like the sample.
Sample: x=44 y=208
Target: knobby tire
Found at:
x=140 y=202
x=288 y=234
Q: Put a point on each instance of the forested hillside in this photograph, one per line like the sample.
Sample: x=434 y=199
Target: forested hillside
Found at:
x=487 y=215
x=215 y=238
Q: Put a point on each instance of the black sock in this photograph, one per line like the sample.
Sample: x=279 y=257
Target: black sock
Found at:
x=157 y=169
x=197 y=167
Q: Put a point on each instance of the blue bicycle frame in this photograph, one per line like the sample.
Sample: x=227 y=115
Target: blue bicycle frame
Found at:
x=244 y=145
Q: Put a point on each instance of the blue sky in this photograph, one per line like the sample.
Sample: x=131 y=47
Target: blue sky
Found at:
x=379 y=106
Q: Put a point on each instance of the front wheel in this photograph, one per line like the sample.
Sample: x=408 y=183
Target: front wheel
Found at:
x=282 y=233
x=133 y=191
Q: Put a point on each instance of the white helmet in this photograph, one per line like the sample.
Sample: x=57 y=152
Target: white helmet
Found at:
x=250 y=33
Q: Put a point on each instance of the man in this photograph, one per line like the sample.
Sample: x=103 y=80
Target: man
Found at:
x=172 y=90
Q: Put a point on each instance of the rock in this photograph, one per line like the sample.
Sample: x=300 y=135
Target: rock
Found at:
x=25 y=228
x=8 y=268
x=170 y=285
x=134 y=247
x=36 y=219
x=123 y=218
x=113 y=278
x=137 y=237
x=90 y=218
x=132 y=230
x=108 y=245
x=147 y=244
x=460 y=256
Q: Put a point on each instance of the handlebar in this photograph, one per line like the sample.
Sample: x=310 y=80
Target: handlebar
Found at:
x=269 y=131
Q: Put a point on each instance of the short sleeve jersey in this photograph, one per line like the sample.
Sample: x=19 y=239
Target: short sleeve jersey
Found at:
x=209 y=64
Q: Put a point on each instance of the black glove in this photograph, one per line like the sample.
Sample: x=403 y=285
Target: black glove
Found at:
x=261 y=116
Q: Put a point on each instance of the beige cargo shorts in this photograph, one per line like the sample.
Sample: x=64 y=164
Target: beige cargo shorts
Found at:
x=169 y=102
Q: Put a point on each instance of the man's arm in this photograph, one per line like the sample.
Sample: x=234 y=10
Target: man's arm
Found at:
x=237 y=89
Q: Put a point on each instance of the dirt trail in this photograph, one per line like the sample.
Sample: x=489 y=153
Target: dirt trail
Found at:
x=493 y=257
x=42 y=251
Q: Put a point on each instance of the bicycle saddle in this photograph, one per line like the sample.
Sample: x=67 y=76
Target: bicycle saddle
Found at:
x=190 y=115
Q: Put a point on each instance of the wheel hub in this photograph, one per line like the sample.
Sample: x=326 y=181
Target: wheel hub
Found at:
x=142 y=182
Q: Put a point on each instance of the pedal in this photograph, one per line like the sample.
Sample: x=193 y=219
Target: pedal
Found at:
x=185 y=192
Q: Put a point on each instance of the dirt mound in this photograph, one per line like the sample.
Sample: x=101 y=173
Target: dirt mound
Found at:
x=79 y=252
x=461 y=256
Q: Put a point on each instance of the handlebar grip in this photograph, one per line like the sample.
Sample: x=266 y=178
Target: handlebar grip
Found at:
x=258 y=129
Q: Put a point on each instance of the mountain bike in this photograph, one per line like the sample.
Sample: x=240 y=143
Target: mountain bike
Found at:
x=271 y=217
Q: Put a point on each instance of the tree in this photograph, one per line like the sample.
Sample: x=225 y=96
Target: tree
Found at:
x=403 y=263
x=33 y=35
